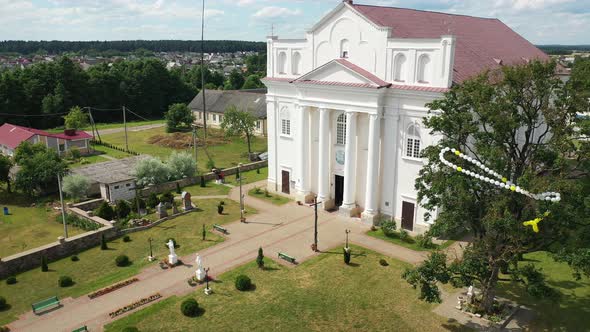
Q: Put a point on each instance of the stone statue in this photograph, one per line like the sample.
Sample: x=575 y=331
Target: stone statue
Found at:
x=200 y=271
x=172 y=258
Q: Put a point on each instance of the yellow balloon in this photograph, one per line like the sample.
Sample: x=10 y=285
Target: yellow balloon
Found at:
x=504 y=180
x=457 y=152
x=513 y=188
x=459 y=169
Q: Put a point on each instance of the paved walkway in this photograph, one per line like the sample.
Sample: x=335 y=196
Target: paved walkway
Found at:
x=288 y=228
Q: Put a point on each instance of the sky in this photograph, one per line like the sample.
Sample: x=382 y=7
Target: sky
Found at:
x=540 y=21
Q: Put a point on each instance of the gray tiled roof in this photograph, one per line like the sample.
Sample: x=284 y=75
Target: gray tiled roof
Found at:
x=219 y=100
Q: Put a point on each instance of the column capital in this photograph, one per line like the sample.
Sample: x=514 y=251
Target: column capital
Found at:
x=374 y=116
x=351 y=113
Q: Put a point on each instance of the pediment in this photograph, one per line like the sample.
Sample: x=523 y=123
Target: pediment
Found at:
x=342 y=72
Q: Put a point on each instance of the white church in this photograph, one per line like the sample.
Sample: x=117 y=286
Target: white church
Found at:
x=345 y=103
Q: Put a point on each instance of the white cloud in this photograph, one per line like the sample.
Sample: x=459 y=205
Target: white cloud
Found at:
x=272 y=12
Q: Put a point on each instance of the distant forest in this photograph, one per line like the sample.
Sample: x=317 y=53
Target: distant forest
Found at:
x=127 y=46
x=563 y=49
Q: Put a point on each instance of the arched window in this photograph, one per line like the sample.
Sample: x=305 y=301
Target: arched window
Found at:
x=399 y=68
x=413 y=142
x=341 y=129
x=344 y=48
x=423 y=69
x=282 y=63
x=296 y=63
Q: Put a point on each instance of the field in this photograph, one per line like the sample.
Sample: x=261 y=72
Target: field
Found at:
x=96 y=268
x=225 y=152
x=99 y=126
x=321 y=294
x=28 y=227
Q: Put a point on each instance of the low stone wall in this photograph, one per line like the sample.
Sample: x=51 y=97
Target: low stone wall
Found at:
x=89 y=205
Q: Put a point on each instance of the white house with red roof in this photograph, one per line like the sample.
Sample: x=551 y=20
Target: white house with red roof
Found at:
x=11 y=136
x=345 y=103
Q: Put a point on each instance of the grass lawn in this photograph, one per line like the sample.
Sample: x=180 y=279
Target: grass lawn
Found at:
x=87 y=160
x=97 y=269
x=410 y=245
x=210 y=189
x=248 y=177
x=112 y=125
x=275 y=199
x=224 y=152
x=28 y=227
x=110 y=152
x=570 y=313
x=321 y=294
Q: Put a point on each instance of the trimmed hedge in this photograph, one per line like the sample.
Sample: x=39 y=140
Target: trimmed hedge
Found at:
x=190 y=307
x=65 y=281
x=122 y=260
x=243 y=282
x=11 y=280
x=2 y=303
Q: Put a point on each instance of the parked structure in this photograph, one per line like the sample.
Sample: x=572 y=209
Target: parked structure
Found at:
x=345 y=104
x=218 y=101
x=11 y=136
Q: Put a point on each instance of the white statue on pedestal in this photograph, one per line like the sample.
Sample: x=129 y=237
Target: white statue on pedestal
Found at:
x=200 y=271
x=172 y=258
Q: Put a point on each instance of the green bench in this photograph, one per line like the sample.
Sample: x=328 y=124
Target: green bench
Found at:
x=50 y=302
x=286 y=257
x=81 y=329
x=220 y=228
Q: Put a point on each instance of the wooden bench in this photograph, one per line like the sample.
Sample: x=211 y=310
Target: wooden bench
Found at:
x=50 y=302
x=286 y=257
x=220 y=228
x=81 y=329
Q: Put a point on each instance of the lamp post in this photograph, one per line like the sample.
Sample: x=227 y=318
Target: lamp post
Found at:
x=347 y=231
x=315 y=204
x=207 y=289
x=151 y=256
x=242 y=219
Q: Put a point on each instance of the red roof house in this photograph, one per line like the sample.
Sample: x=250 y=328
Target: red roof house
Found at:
x=11 y=136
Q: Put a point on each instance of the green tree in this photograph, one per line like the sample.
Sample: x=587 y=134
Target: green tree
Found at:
x=260 y=258
x=76 y=118
x=75 y=186
x=105 y=211
x=5 y=166
x=239 y=123
x=38 y=171
x=178 y=116
x=252 y=82
x=236 y=79
x=151 y=171
x=518 y=122
x=181 y=165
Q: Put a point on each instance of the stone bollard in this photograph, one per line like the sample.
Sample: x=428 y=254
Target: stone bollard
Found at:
x=61 y=240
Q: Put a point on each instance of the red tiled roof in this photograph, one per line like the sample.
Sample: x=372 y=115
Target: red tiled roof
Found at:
x=480 y=42
x=13 y=135
x=381 y=83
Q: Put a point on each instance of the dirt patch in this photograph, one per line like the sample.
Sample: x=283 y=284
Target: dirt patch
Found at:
x=183 y=140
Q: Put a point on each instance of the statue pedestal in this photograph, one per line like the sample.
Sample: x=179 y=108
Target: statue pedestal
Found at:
x=208 y=291
x=200 y=275
x=172 y=259
x=151 y=258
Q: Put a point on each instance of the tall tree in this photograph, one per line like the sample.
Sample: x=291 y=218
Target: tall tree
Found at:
x=76 y=118
x=236 y=80
x=520 y=123
x=179 y=116
x=5 y=166
x=239 y=123
x=38 y=171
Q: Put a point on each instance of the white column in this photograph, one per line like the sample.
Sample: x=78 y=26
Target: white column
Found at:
x=303 y=188
x=372 y=187
x=348 y=199
x=324 y=156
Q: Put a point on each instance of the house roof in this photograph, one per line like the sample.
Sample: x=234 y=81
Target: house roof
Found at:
x=481 y=43
x=218 y=101
x=13 y=135
x=110 y=172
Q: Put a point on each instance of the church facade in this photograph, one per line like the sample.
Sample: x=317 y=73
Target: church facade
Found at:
x=345 y=104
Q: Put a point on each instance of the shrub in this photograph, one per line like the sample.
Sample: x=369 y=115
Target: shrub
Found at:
x=347 y=253
x=404 y=236
x=424 y=241
x=65 y=281
x=257 y=190
x=75 y=186
x=44 y=266
x=388 y=227
x=151 y=171
x=210 y=164
x=152 y=200
x=134 y=202
x=11 y=280
x=74 y=258
x=167 y=197
x=203 y=182
x=123 y=209
x=220 y=209
x=79 y=222
x=2 y=303
x=130 y=329
x=126 y=238
x=266 y=194
x=103 y=242
x=243 y=283
x=122 y=260
x=189 y=307
x=383 y=262
x=105 y=211
x=182 y=165
x=260 y=258
x=178 y=188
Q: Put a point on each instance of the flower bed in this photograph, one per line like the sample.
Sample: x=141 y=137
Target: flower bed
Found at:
x=112 y=288
x=135 y=305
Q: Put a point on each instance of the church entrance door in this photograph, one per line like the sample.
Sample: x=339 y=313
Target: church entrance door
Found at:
x=339 y=190
x=408 y=216
x=285 y=183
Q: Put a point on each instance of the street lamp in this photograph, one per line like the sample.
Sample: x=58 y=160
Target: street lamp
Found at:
x=347 y=231
x=315 y=204
x=151 y=256
x=207 y=289
x=242 y=219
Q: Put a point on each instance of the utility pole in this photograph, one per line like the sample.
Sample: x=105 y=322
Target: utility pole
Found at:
x=125 y=124
x=315 y=204
x=203 y=71
x=195 y=144
x=63 y=209
x=93 y=124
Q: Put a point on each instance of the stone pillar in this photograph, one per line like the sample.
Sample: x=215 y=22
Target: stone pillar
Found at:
x=324 y=160
x=348 y=198
x=372 y=188
x=303 y=188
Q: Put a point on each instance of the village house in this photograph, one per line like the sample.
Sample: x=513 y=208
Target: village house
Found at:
x=11 y=136
x=345 y=103
x=218 y=101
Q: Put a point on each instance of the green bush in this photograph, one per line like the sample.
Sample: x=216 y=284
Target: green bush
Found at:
x=44 y=266
x=126 y=238
x=190 y=307
x=130 y=329
x=243 y=283
x=134 y=202
x=167 y=197
x=178 y=188
x=2 y=303
x=65 y=281
x=74 y=258
x=123 y=208
x=11 y=280
x=105 y=211
x=260 y=258
x=424 y=241
x=79 y=222
x=388 y=227
x=220 y=209
x=203 y=182
x=257 y=190
x=405 y=236
x=122 y=260
x=210 y=164
x=152 y=200
x=103 y=242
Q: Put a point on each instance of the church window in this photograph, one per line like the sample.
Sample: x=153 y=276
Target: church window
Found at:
x=344 y=48
x=341 y=129
x=282 y=63
x=286 y=127
x=399 y=66
x=296 y=63
x=413 y=142
x=423 y=69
